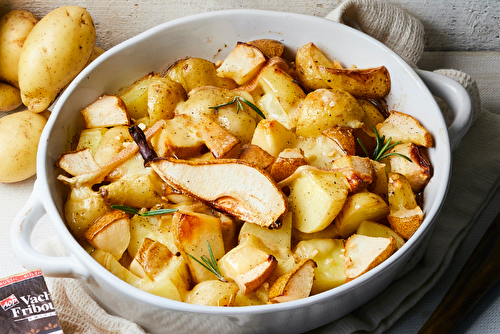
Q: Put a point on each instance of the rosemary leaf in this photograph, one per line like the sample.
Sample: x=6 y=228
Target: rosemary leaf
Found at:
x=134 y=211
x=239 y=106
x=210 y=264
x=381 y=147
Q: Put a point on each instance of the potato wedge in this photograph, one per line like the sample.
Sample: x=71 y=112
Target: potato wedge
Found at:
x=269 y=47
x=213 y=293
x=273 y=137
x=110 y=233
x=287 y=163
x=151 y=259
x=282 y=95
x=316 y=198
x=358 y=208
x=325 y=108
x=343 y=138
x=256 y=156
x=90 y=138
x=307 y=60
x=363 y=253
x=177 y=138
x=365 y=83
x=192 y=232
x=379 y=184
x=163 y=96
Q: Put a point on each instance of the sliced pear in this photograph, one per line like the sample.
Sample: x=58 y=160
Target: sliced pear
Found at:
x=229 y=185
x=405 y=128
x=110 y=233
x=78 y=162
x=363 y=253
x=242 y=64
x=106 y=111
x=417 y=172
x=218 y=140
x=373 y=229
x=405 y=215
x=248 y=266
x=296 y=284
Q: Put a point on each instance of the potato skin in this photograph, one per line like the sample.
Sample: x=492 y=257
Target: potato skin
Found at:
x=19 y=136
x=10 y=98
x=55 y=51
x=14 y=28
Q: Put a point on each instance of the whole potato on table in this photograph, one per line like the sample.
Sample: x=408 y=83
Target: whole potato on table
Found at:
x=55 y=51
x=10 y=98
x=14 y=28
x=19 y=136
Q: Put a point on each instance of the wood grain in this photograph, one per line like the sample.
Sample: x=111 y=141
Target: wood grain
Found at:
x=450 y=25
x=479 y=274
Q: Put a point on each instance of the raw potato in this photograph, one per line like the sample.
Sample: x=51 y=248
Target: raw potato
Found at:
x=10 y=97
x=14 y=28
x=19 y=136
x=55 y=51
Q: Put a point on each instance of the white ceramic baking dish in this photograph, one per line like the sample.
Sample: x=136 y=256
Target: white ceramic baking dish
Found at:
x=212 y=36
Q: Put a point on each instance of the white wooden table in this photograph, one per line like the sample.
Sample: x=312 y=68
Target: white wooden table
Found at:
x=464 y=35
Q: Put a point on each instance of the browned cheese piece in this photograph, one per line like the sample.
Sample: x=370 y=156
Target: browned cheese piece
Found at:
x=358 y=171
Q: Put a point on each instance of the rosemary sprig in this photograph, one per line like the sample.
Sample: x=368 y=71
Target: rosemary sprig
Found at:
x=210 y=264
x=238 y=100
x=382 y=147
x=134 y=211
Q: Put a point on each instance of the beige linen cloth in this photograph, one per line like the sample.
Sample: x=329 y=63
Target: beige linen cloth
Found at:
x=475 y=179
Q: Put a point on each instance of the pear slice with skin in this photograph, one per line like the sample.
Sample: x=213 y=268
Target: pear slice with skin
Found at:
x=230 y=185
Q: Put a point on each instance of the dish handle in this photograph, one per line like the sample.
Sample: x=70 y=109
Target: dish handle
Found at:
x=20 y=235
x=457 y=98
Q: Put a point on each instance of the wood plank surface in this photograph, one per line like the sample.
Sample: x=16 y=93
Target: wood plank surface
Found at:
x=450 y=25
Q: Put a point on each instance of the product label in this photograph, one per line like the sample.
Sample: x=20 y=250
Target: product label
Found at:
x=26 y=306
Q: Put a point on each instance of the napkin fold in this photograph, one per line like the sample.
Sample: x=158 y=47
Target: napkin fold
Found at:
x=476 y=170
